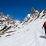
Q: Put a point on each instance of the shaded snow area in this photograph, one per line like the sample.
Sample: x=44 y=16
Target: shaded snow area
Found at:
x=31 y=34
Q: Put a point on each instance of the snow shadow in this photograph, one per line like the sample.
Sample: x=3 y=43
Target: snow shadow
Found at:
x=43 y=37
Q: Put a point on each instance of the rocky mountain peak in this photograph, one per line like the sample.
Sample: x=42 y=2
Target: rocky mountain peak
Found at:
x=1 y=15
x=32 y=10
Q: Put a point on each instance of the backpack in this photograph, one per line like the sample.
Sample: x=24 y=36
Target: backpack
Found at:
x=45 y=23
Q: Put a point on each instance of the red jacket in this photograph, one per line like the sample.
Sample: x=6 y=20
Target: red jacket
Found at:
x=45 y=23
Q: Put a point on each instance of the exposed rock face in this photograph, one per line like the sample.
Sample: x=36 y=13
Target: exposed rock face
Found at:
x=6 y=22
x=32 y=10
x=44 y=12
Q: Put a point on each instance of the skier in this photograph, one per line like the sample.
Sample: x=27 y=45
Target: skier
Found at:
x=44 y=25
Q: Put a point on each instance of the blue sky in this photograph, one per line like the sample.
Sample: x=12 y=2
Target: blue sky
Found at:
x=18 y=9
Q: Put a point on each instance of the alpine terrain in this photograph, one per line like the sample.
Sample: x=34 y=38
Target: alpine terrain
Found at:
x=26 y=33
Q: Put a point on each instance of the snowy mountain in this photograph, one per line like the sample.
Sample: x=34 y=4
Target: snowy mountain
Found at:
x=27 y=33
x=7 y=23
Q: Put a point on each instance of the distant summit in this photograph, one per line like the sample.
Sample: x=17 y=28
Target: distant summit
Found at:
x=1 y=15
x=35 y=14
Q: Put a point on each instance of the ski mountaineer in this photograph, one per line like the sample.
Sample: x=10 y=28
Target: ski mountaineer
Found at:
x=44 y=25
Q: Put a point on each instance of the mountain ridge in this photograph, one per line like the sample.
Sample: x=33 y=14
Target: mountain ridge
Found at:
x=8 y=21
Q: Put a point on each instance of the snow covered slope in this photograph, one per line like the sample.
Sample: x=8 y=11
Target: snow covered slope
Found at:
x=28 y=33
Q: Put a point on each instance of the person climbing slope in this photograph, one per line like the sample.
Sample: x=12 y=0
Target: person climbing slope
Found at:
x=44 y=25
